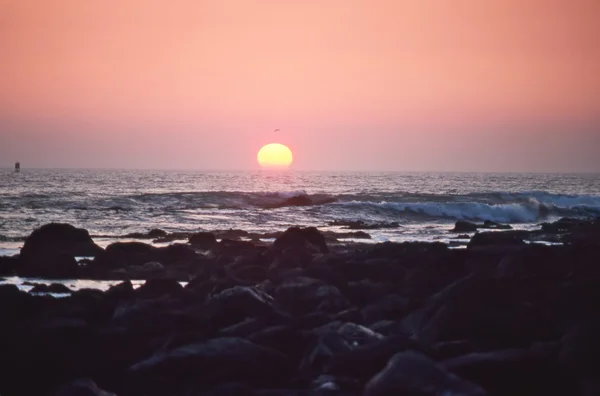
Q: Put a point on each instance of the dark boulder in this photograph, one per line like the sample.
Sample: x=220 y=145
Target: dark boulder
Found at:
x=470 y=307
x=152 y=234
x=203 y=240
x=235 y=304
x=122 y=254
x=251 y=273
x=358 y=335
x=283 y=338
x=318 y=358
x=51 y=249
x=411 y=373
x=363 y=361
x=579 y=356
x=158 y=287
x=564 y=224
x=432 y=275
x=246 y=327
x=534 y=261
x=497 y=239
x=492 y=225
x=464 y=226
x=309 y=239
x=82 y=387
x=366 y=291
x=52 y=265
x=379 y=269
x=302 y=295
x=121 y=291
x=584 y=235
x=392 y=307
x=60 y=238
x=9 y=265
x=55 y=288
x=361 y=225
x=213 y=361
x=175 y=254
x=533 y=371
x=231 y=247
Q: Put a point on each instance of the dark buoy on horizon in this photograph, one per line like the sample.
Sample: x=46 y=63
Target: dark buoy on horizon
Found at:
x=17 y=167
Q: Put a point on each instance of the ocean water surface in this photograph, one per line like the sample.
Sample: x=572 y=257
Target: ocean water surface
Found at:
x=110 y=203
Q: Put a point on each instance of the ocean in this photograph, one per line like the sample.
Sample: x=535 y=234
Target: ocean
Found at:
x=425 y=206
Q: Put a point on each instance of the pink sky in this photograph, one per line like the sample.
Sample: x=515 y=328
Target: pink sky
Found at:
x=352 y=84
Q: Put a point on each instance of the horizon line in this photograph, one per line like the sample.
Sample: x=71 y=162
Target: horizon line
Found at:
x=305 y=170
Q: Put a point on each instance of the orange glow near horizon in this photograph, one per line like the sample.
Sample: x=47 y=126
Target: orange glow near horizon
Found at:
x=275 y=156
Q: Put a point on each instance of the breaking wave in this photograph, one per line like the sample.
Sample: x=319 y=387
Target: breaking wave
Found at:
x=494 y=206
x=498 y=207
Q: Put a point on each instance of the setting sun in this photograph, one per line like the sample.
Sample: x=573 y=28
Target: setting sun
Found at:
x=275 y=155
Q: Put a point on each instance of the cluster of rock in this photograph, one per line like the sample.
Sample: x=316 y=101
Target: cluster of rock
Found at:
x=295 y=317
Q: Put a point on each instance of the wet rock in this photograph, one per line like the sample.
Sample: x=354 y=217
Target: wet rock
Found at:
x=309 y=239
x=152 y=267
x=366 y=291
x=312 y=320
x=579 y=356
x=152 y=234
x=245 y=328
x=532 y=371
x=361 y=225
x=391 y=306
x=464 y=226
x=9 y=265
x=216 y=360
x=353 y=315
x=122 y=291
x=175 y=254
x=358 y=335
x=381 y=270
x=329 y=344
x=468 y=308
x=236 y=248
x=283 y=338
x=235 y=304
x=533 y=261
x=58 y=238
x=335 y=236
x=584 y=235
x=363 y=361
x=251 y=273
x=302 y=295
x=82 y=387
x=497 y=239
x=433 y=275
x=52 y=265
x=203 y=240
x=158 y=287
x=412 y=373
x=122 y=254
x=564 y=224
x=55 y=288
x=233 y=234
x=492 y=225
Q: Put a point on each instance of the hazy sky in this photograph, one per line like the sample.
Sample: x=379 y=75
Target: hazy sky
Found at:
x=484 y=85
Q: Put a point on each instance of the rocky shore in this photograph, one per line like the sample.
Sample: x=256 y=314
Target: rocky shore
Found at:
x=306 y=315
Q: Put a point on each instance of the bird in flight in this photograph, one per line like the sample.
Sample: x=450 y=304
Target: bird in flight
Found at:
x=276 y=130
